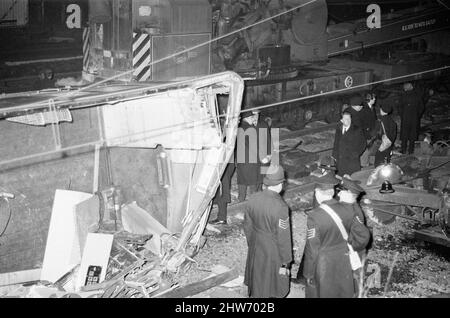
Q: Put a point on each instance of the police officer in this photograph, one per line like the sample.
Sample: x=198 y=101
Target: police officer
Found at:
x=327 y=267
x=349 y=194
x=268 y=232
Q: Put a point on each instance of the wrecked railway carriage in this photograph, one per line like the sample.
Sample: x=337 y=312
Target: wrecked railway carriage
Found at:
x=72 y=158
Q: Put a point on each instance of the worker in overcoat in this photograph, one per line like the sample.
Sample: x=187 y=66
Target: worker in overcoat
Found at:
x=327 y=267
x=349 y=144
x=268 y=231
x=411 y=109
x=387 y=126
x=368 y=126
x=252 y=152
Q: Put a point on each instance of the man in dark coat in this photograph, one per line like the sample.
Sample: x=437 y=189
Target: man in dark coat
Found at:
x=327 y=267
x=411 y=109
x=349 y=144
x=253 y=136
x=369 y=115
x=268 y=232
x=355 y=111
x=223 y=194
x=368 y=126
x=390 y=129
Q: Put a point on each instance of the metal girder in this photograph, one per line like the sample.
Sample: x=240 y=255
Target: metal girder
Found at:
x=406 y=196
x=433 y=236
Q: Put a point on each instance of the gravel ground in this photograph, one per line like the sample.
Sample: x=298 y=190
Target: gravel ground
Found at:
x=421 y=270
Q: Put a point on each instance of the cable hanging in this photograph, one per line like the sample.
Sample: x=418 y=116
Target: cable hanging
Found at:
x=194 y=123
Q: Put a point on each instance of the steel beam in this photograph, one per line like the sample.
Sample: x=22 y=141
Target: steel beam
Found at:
x=406 y=196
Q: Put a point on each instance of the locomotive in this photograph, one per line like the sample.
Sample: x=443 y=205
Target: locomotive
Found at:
x=285 y=50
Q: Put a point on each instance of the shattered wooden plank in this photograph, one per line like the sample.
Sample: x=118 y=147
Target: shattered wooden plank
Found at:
x=198 y=287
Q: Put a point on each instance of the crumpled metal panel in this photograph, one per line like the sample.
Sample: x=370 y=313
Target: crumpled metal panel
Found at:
x=177 y=120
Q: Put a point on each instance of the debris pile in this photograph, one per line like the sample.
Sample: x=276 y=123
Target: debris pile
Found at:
x=96 y=251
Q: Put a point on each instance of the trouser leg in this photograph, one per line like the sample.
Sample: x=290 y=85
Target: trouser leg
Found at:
x=242 y=190
x=222 y=214
x=411 y=146
x=404 y=142
x=252 y=188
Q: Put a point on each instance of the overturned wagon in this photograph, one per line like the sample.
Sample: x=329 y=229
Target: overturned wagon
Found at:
x=164 y=144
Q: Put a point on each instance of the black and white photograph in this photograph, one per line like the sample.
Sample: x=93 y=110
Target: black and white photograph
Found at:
x=220 y=155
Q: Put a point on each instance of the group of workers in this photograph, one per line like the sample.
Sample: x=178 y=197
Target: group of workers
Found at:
x=360 y=135
x=337 y=236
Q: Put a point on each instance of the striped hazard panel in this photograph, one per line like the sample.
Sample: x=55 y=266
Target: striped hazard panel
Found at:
x=86 y=48
x=141 y=57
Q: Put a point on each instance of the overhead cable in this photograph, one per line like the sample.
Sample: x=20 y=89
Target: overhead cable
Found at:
x=195 y=123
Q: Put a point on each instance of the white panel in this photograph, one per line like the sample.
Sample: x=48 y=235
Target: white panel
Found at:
x=62 y=251
x=167 y=119
x=96 y=253
x=138 y=221
x=210 y=169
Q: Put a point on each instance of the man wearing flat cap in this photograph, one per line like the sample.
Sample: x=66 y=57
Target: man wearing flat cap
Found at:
x=268 y=231
x=387 y=127
x=327 y=266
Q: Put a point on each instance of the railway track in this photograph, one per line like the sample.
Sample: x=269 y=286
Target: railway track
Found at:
x=22 y=68
x=298 y=187
x=32 y=82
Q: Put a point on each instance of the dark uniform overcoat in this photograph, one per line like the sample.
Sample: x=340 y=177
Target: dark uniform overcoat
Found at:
x=326 y=253
x=268 y=232
x=347 y=149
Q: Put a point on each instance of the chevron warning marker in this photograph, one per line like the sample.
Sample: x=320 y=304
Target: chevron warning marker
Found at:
x=141 y=57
